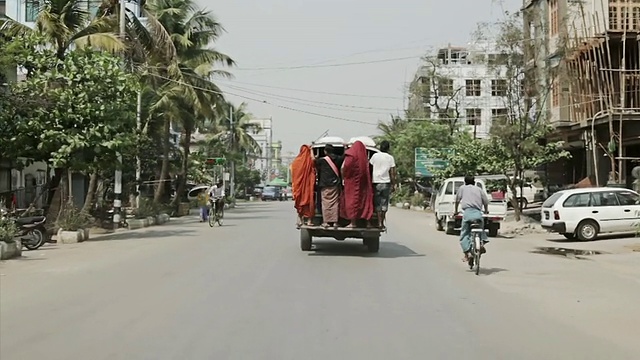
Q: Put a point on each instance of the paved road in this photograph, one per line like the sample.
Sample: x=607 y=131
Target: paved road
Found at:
x=246 y=291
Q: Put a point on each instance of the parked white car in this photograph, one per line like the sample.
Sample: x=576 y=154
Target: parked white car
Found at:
x=584 y=213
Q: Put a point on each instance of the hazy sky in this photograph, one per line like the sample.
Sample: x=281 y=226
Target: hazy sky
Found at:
x=285 y=46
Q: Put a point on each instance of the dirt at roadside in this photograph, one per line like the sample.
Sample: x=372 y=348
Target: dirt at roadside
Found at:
x=526 y=226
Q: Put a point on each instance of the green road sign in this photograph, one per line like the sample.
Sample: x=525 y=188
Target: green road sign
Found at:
x=425 y=164
x=215 y=161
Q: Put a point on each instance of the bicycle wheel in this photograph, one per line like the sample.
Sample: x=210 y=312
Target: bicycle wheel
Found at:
x=221 y=217
x=476 y=254
x=212 y=215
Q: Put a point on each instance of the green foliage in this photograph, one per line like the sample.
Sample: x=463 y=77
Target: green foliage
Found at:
x=468 y=156
x=405 y=136
x=146 y=208
x=8 y=230
x=417 y=199
x=72 y=112
x=72 y=219
x=247 y=178
x=402 y=194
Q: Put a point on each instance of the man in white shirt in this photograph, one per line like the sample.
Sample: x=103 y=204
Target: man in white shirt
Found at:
x=384 y=179
x=216 y=193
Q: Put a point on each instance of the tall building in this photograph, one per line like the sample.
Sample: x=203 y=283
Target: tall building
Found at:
x=584 y=57
x=463 y=85
x=264 y=137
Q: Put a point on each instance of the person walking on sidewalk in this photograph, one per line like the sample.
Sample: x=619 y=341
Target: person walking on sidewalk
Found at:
x=384 y=179
x=472 y=199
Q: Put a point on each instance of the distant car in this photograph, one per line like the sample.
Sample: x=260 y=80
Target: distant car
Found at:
x=270 y=193
x=584 y=213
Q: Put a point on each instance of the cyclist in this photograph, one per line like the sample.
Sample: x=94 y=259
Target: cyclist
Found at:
x=216 y=193
x=472 y=199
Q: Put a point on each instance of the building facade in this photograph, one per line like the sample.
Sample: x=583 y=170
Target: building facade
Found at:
x=462 y=85
x=584 y=57
x=264 y=137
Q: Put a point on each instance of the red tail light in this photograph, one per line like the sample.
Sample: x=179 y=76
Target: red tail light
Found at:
x=556 y=215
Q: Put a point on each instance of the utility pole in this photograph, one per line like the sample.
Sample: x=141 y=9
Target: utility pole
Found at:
x=138 y=160
x=117 y=187
x=232 y=170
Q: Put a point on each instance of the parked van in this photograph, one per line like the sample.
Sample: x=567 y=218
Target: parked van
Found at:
x=444 y=205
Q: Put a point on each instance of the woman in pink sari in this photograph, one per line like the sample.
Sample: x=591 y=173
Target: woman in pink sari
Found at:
x=358 y=189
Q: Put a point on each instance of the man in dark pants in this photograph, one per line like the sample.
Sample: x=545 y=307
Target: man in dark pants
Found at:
x=472 y=199
x=384 y=179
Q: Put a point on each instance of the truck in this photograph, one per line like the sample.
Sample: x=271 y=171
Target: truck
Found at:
x=444 y=206
x=370 y=236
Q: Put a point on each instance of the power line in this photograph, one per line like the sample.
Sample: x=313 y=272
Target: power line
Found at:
x=266 y=102
x=257 y=92
x=311 y=91
x=329 y=65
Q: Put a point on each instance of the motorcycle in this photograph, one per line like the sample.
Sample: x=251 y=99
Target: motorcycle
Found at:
x=31 y=230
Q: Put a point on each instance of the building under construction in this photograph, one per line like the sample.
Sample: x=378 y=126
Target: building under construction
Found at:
x=587 y=54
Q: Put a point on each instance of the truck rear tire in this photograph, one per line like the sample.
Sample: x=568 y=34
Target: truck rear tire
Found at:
x=439 y=223
x=493 y=230
x=372 y=243
x=306 y=240
x=450 y=226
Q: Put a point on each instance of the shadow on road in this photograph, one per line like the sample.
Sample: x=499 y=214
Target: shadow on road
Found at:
x=599 y=238
x=135 y=235
x=490 y=271
x=388 y=250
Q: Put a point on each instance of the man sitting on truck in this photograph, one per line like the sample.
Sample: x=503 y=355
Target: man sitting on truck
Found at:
x=473 y=200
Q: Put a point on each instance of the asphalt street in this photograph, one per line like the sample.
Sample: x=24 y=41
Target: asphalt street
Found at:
x=245 y=291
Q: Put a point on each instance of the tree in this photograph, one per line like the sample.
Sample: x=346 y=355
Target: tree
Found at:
x=412 y=134
x=467 y=156
x=63 y=23
x=437 y=89
x=517 y=139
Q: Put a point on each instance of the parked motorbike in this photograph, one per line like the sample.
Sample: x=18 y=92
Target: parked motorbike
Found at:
x=31 y=230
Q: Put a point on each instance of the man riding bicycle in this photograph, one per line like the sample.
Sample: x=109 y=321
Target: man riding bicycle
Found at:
x=472 y=199
x=216 y=193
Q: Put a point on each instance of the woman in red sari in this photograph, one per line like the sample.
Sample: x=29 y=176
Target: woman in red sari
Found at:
x=303 y=174
x=358 y=189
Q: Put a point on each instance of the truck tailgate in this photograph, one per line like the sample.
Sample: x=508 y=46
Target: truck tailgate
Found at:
x=497 y=210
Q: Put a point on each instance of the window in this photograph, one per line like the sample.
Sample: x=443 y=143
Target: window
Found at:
x=551 y=200
x=457 y=185
x=32 y=9
x=499 y=87
x=604 y=198
x=553 y=17
x=3 y=7
x=446 y=114
x=449 y=189
x=627 y=198
x=498 y=114
x=473 y=87
x=93 y=6
x=497 y=59
x=555 y=94
x=474 y=117
x=578 y=200
x=445 y=87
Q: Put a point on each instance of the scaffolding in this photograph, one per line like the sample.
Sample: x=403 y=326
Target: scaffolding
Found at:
x=603 y=70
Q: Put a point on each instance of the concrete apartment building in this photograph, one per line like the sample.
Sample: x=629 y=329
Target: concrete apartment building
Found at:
x=462 y=85
x=264 y=137
x=584 y=59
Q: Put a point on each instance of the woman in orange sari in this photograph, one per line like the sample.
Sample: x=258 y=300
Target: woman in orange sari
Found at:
x=303 y=174
x=358 y=189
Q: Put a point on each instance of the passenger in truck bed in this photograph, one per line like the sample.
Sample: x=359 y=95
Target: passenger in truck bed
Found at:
x=329 y=183
x=303 y=173
x=357 y=195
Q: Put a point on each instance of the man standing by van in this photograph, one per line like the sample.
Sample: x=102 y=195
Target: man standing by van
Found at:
x=473 y=200
x=384 y=179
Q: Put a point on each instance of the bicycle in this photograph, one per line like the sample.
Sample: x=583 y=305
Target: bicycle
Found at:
x=215 y=215
x=477 y=231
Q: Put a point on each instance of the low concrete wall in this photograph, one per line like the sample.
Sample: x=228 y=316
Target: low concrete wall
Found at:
x=10 y=250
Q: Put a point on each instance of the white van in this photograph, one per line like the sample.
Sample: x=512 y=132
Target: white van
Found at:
x=444 y=205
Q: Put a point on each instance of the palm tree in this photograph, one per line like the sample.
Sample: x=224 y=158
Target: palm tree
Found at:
x=66 y=23
x=236 y=135
x=184 y=87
